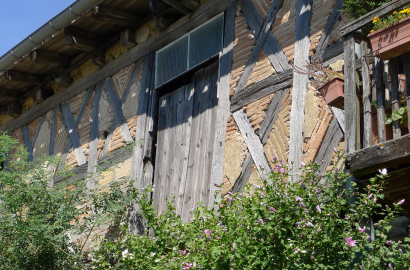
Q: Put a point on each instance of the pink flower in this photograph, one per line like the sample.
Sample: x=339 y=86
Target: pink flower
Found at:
x=389 y=242
x=281 y=162
x=182 y=252
x=299 y=199
x=261 y=221
x=318 y=209
x=234 y=247
x=187 y=266
x=281 y=170
x=336 y=170
x=215 y=184
x=370 y=196
x=302 y=164
x=383 y=171
x=262 y=195
x=275 y=159
x=272 y=209
x=401 y=202
x=208 y=233
x=309 y=224
x=262 y=240
x=256 y=186
x=350 y=242
x=334 y=150
x=347 y=217
x=216 y=237
x=361 y=230
x=230 y=193
x=301 y=204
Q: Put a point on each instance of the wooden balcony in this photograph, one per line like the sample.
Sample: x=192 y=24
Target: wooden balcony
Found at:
x=373 y=89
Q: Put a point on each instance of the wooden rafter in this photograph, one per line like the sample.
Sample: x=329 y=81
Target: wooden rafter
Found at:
x=49 y=58
x=115 y=16
x=13 y=75
x=81 y=39
x=178 y=6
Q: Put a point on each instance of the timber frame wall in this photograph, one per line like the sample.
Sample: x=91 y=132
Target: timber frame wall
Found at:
x=264 y=106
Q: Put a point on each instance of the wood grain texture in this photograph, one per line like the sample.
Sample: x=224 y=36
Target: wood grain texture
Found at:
x=92 y=157
x=340 y=116
x=53 y=132
x=406 y=60
x=384 y=155
x=264 y=132
x=262 y=35
x=300 y=81
x=332 y=138
x=72 y=131
x=333 y=51
x=77 y=122
x=261 y=89
x=394 y=91
x=27 y=143
x=42 y=119
x=196 y=18
x=331 y=22
x=223 y=109
x=368 y=18
x=367 y=109
x=119 y=115
x=253 y=143
x=271 y=47
x=380 y=92
x=350 y=95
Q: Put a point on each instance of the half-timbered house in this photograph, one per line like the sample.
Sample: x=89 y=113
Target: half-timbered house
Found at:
x=188 y=93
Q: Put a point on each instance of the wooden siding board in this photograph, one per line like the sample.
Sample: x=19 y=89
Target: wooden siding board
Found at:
x=300 y=81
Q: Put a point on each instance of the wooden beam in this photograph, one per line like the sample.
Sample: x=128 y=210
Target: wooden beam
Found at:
x=53 y=132
x=350 y=95
x=119 y=115
x=368 y=18
x=13 y=75
x=367 y=96
x=80 y=39
x=99 y=59
x=394 y=90
x=261 y=89
x=178 y=6
x=27 y=143
x=383 y=155
x=64 y=79
x=127 y=38
x=264 y=132
x=50 y=58
x=378 y=71
x=406 y=60
x=223 y=110
x=192 y=4
x=271 y=47
x=331 y=22
x=115 y=16
x=161 y=23
x=206 y=12
x=14 y=109
x=300 y=81
x=332 y=138
x=72 y=131
x=93 y=151
x=8 y=95
x=340 y=116
x=263 y=34
x=253 y=143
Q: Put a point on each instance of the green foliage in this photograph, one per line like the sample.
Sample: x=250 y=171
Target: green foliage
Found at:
x=277 y=225
x=357 y=8
x=395 y=17
x=36 y=220
x=397 y=115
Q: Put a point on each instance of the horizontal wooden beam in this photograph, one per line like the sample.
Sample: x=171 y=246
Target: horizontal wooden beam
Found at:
x=206 y=12
x=261 y=89
x=178 y=6
x=50 y=58
x=384 y=155
x=115 y=16
x=368 y=18
x=81 y=40
x=13 y=75
x=14 y=109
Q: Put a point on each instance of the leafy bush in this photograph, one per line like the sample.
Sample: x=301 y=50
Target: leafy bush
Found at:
x=36 y=220
x=275 y=225
x=357 y=8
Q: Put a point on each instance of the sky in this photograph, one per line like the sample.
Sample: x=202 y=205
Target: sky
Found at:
x=19 y=18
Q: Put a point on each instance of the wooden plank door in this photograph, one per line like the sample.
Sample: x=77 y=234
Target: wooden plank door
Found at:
x=186 y=133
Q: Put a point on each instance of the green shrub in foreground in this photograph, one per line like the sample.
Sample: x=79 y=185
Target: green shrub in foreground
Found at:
x=276 y=225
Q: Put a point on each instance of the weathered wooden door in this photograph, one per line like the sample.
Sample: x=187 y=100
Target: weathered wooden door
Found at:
x=186 y=135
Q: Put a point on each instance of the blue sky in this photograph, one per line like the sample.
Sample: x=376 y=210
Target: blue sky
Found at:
x=19 y=18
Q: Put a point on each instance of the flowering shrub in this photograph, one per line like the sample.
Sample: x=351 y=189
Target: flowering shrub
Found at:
x=277 y=224
x=392 y=19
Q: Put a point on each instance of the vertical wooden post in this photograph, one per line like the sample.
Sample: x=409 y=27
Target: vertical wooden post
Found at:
x=300 y=81
x=367 y=109
x=407 y=74
x=393 y=72
x=350 y=94
x=225 y=67
x=378 y=79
